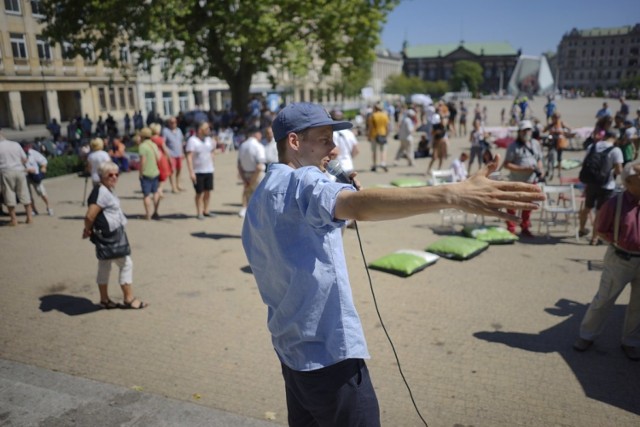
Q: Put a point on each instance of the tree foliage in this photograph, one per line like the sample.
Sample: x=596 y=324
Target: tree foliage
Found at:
x=228 y=39
x=404 y=85
x=467 y=72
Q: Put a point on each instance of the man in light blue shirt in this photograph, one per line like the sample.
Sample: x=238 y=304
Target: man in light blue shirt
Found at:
x=293 y=241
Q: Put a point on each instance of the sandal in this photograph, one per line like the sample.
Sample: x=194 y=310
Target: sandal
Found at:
x=129 y=305
x=108 y=304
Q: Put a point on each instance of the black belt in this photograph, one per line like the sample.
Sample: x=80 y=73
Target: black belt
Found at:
x=626 y=255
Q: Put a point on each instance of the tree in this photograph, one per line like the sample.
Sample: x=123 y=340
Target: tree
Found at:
x=401 y=84
x=228 y=39
x=468 y=72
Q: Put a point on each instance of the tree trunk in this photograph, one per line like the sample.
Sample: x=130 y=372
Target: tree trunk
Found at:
x=240 y=86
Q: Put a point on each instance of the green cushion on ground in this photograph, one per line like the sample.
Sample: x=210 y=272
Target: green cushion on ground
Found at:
x=404 y=262
x=458 y=248
x=490 y=234
x=409 y=182
x=567 y=164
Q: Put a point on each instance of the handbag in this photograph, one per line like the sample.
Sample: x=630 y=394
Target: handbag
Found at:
x=112 y=245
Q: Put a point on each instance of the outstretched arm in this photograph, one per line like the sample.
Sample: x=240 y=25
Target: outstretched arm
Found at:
x=478 y=195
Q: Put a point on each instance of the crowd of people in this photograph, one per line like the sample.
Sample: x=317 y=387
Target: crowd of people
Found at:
x=295 y=212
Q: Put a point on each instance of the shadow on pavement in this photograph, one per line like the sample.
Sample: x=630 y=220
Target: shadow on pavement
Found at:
x=67 y=304
x=215 y=236
x=604 y=373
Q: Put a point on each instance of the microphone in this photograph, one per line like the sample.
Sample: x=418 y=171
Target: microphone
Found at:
x=334 y=168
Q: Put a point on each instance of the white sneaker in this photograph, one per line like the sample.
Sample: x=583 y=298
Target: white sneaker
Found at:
x=242 y=212
x=50 y=212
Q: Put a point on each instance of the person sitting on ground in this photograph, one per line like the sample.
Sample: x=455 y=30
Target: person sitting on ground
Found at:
x=458 y=167
x=118 y=155
x=104 y=214
x=621 y=266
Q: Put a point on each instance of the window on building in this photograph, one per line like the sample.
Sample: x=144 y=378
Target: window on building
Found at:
x=67 y=51
x=88 y=53
x=124 y=54
x=36 y=8
x=167 y=103
x=18 y=46
x=183 y=100
x=633 y=50
x=132 y=97
x=102 y=97
x=150 y=101
x=44 y=49
x=621 y=51
x=122 y=99
x=12 y=6
x=112 y=98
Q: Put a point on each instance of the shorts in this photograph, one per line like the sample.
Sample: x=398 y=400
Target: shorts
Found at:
x=149 y=185
x=595 y=196
x=340 y=394
x=15 y=188
x=176 y=163
x=125 y=264
x=381 y=139
x=39 y=187
x=204 y=182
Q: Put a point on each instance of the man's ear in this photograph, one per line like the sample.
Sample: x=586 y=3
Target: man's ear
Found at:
x=293 y=141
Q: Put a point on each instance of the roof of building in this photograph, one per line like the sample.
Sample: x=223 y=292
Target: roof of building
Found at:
x=600 y=32
x=435 y=50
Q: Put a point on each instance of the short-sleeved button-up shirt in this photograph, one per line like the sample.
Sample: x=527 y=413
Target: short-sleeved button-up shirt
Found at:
x=294 y=246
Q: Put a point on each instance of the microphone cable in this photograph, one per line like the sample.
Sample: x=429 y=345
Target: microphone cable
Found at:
x=384 y=328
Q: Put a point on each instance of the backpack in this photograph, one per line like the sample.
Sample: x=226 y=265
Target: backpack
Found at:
x=596 y=168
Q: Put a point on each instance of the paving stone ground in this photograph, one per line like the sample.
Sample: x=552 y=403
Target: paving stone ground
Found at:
x=486 y=342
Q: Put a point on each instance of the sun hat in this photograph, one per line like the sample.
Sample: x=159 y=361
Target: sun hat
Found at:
x=299 y=116
x=630 y=169
x=525 y=124
x=146 y=133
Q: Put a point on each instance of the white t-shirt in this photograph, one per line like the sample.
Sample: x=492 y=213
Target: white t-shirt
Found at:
x=614 y=155
x=95 y=159
x=111 y=214
x=251 y=154
x=202 y=161
x=271 y=151
x=459 y=170
x=35 y=159
x=345 y=140
x=11 y=155
x=406 y=129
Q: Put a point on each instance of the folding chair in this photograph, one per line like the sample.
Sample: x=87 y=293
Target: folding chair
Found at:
x=450 y=215
x=559 y=200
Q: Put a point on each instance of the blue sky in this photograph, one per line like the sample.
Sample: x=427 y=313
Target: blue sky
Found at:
x=535 y=26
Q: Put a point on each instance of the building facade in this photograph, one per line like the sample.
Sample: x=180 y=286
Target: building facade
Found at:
x=435 y=62
x=598 y=58
x=39 y=82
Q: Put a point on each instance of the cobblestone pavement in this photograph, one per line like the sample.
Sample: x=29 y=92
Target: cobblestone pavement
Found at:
x=485 y=342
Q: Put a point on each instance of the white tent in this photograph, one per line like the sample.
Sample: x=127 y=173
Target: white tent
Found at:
x=532 y=75
x=421 y=99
